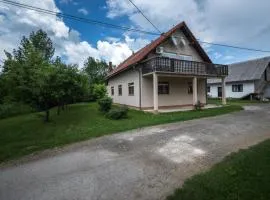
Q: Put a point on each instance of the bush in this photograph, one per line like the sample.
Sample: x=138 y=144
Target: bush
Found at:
x=99 y=91
x=198 y=106
x=14 y=108
x=118 y=113
x=105 y=104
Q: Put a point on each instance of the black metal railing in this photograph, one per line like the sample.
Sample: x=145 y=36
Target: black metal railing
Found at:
x=171 y=65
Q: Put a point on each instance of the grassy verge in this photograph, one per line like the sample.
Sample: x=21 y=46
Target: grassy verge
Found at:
x=25 y=134
x=233 y=101
x=241 y=176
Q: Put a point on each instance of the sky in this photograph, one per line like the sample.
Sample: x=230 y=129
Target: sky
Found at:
x=243 y=23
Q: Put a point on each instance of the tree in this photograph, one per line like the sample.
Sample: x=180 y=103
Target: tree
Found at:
x=28 y=72
x=99 y=91
x=96 y=70
x=32 y=76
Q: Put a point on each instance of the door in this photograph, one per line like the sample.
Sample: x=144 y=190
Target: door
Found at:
x=219 y=91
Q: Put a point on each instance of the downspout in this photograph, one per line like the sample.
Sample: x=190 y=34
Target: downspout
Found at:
x=140 y=88
x=206 y=92
x=139 y=69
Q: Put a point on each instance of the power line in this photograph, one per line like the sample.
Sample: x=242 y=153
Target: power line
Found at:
x=104 y=24
x=235 y=47
x=145 y=16
x=72 y=17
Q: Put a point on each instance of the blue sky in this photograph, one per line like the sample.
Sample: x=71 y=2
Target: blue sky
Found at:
x=235 y=22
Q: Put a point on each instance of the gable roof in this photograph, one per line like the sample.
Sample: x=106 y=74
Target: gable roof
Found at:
x=245 y=71
x=142 y=53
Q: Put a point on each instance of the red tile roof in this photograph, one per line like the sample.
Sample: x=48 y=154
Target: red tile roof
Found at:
x=142 y=53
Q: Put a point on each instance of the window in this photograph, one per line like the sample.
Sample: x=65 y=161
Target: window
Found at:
x=112 y=90
x=119 y=90
x=176 y=56
x=208 y=89
x=237 y=88
x=190 y=88
x=131 y=89
x=170 y=55
x=185 y=57
x=163 y=88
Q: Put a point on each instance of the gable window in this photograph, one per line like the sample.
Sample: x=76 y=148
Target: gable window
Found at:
x=237 y=88
x=163 y=88
x=112 y=90
x=176 y=56
x=119 y=90
x=190 y=88
x=208 y=89
x=185 y=57
x=131 y=89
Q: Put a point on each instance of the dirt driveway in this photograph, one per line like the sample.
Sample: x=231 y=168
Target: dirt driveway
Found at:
x=142 y=164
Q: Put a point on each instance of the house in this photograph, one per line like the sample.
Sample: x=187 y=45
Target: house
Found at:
x=246 y=79
x=171 y=71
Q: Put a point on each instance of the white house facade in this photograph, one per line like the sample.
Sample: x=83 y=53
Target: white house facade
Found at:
x=171 y=71
x=233 y=90
x=246 y=79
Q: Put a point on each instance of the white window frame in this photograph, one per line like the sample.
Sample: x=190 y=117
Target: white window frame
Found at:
x=178 y=56
x=237 y=87
x=131 y=85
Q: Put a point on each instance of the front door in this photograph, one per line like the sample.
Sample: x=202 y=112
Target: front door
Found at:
x=219 y=91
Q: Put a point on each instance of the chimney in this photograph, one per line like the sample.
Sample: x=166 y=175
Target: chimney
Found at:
x=110 y=66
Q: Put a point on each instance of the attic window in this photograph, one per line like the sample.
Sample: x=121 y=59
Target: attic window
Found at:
x=185 y=57
x=179 y=57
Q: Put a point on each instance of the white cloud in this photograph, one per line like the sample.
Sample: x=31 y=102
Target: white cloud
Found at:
x=217 y=55
x=229 y=57
x=78 y=52
x=116 y=52
x=16 y=22
x=83 y=11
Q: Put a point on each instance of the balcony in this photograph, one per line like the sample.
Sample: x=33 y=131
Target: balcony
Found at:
x=183 y=67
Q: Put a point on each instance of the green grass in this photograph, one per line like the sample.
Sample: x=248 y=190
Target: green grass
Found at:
x=233 y=101
x=241 y=176
x=25 y=134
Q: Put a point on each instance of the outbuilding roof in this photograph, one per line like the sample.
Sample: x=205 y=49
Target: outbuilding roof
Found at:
x=245 y=71
x=142 y=53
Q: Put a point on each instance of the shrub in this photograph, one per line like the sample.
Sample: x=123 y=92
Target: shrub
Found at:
x=198 y=106
x=118 y=113
x=105 y=104
x=14 y=108
x=99 y=91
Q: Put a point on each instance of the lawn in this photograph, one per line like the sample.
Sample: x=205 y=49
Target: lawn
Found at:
x=233 y=101
x=241 y=176
x=25 y=134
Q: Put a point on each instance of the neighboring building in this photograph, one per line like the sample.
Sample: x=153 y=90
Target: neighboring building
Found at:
x=245 y=80
x=170 y=71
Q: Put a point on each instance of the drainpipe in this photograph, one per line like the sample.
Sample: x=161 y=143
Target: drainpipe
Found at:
x=140 y=87
x=206 y=93
x=139 y=69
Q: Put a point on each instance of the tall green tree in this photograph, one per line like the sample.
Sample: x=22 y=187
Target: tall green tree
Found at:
x=28 y=71
x=96 y=70
x=32 y=76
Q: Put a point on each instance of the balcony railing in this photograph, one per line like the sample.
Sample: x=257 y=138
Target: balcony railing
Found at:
x=171 y=65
